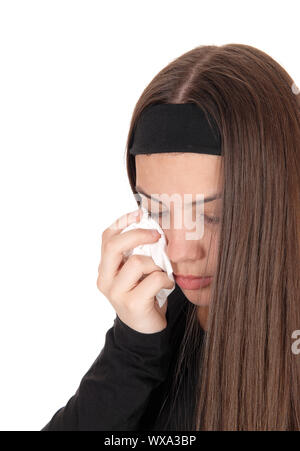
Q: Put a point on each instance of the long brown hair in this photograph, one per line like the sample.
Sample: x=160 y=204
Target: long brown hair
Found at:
x=250 y=379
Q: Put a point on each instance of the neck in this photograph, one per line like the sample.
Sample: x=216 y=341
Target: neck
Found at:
x=202 y=314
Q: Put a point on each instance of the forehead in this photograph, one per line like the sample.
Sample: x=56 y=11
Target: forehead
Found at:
x=179 y=173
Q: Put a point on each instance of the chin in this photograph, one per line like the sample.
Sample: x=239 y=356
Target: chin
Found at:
x=197 y=297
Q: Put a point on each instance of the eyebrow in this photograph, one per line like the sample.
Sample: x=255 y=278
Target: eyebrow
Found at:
x=195 y=202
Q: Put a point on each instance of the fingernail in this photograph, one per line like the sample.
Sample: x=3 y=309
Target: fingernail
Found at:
x=155 y=232
x=136 y=213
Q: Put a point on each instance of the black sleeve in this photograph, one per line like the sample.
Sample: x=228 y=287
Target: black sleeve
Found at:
x=115 y=391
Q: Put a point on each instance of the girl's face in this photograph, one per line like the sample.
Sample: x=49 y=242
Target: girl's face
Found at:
x=177 y=179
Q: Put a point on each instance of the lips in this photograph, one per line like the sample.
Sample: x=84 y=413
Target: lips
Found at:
x=192 y=282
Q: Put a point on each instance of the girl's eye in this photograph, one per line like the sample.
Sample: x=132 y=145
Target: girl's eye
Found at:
x=157 y=215
x=209 y=219
x=212 y=219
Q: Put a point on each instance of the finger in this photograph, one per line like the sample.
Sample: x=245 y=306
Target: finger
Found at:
x=112 y=252
x=121 y=223
x=120 y=266
x=127 y=219
x=152 y=284
x=134 y=268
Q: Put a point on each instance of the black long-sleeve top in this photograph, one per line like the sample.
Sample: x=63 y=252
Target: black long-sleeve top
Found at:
x=128 y=383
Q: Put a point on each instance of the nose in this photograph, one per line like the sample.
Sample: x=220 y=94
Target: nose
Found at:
x=179 y=249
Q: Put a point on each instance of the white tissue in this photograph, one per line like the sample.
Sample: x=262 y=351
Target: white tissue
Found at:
x=155 y=250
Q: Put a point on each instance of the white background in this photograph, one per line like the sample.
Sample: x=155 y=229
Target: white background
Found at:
x=71 y=73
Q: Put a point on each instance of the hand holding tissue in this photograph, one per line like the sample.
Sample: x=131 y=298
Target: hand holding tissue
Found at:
x=155 y=250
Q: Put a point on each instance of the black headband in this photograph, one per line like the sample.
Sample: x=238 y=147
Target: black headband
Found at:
x=175 y=127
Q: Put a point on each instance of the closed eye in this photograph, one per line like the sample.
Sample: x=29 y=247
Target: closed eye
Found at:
x=209 y=219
